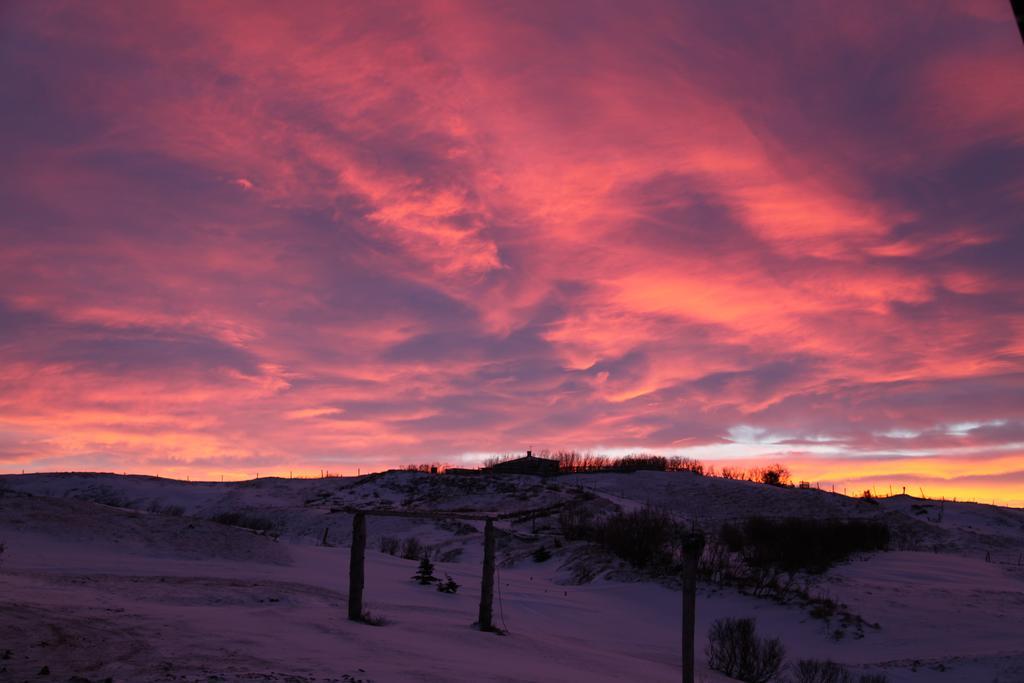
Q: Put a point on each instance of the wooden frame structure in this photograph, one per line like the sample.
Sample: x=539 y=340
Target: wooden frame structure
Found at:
x=693 y=545
x=357 y=557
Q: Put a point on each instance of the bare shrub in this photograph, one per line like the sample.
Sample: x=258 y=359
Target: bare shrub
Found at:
x=646 y=538
x=577 y=523
x=736 y=650
x=574 y=461
x=732 y=473
x=412 y=549
x=428 y=468
x=389 y=545
x=773 y=475
x=641 y=537
x=816 y=671
x=797 y=544
x=642 y=461
x=678 y=464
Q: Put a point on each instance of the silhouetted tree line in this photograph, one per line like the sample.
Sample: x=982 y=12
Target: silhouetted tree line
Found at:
x=576 y=462
x=800 y=544
x=650 y=538
x=428 y=467
x=646 y=538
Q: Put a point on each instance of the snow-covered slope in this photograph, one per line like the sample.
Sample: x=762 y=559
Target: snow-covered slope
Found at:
x=127 y=577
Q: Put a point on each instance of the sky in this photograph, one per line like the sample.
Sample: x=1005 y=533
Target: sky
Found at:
x=266 y=237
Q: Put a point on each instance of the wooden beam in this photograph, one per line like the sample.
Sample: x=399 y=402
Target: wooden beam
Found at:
x=486 y=618
x=693 y=545
x=356 y=567
x=452 y=514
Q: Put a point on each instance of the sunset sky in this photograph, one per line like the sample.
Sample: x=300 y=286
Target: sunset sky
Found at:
x=242 y=237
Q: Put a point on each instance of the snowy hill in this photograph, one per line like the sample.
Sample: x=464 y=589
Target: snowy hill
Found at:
x=147 y=579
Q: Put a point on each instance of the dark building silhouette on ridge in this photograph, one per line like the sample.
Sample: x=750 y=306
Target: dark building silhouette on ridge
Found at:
x=526 y=465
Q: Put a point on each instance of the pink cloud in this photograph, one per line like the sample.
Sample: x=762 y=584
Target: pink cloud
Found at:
x=364 y=235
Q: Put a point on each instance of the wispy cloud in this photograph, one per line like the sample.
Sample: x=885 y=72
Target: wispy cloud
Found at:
x=363 y=234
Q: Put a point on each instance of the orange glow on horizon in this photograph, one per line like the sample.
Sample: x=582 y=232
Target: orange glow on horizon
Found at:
x=349 y=237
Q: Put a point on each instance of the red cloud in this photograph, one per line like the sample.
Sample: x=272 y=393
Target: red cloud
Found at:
x=360 y=235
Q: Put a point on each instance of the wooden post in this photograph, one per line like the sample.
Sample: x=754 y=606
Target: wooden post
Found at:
x=693 y=545
x=486 y=618
x=356 y=567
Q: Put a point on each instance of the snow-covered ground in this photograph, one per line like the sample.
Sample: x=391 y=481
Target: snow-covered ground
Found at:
x=127 y=577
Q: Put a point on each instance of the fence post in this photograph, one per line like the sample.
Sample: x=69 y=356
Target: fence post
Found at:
x=356 y=567
x=486 y=619
x=693 y=545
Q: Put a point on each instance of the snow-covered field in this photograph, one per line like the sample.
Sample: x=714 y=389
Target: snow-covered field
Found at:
x=127 y=578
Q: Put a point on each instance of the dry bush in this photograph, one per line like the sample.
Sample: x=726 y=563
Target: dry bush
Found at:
x=737 y=651
x=773 y=475
x=574 y=461
x=577 y=523
x=390 y=545
x=642 y=461
x=678 y=464
x=797 y=544
x=428 y=468
x=816 y=671
x=646 y=538
x=412 y=549
x=732 y=473
x=641 y=537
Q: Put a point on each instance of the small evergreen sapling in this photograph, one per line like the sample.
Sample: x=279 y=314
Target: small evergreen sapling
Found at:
x=448 y=585
x=425 y=574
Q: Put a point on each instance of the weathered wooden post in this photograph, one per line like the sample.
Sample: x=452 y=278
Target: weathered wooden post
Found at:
x=486 y=619
x=693 y=545
x=356 y=569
